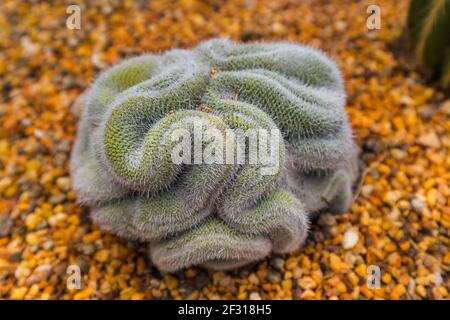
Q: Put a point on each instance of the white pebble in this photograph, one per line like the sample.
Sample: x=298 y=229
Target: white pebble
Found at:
x=350 y=239
x=255 y=296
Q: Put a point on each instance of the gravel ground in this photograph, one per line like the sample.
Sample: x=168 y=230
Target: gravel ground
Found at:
x=399 y=222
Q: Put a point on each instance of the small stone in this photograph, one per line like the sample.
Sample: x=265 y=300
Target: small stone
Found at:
x=226 y=281
x=386 y=277
x=391 y=197
x=29 y=48
x=340 y=25
x=32 y=221
x=432 y=196
x=22 y=271
x=398 y=154
x=308 y=294
x=57 y=218
x=253 y=279
x=307 y=283
x=341 y=287
x=57 y=198
x=18 y=293
x=426 y=112
x=84 y=294
x=430 y=140
x=327 y=220
x=277 y=263
x=350 y=239
x=337 y=265
x=418 y=204
x=5 y=183
x=15 y=257
x=255 y=296
x=190 y=273
x=97 y=61
x=438 y=279
x=398 y=291
x=171 y=282
x=32 y=239
x=41 y=273
x=446 y=107
x=287 y=285
x=88 y=249
x=63 y=183
x=420 y=290
x=273 y=276
x=48 y=245
x=102 y=255
x=367 y=190
x=361 y=270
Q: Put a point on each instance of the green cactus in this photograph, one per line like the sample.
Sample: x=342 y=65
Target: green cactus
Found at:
x=428 y=27
x=218 y=215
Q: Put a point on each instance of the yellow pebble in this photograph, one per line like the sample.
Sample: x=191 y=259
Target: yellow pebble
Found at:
x=386 y=277
x=171 y=282
x=32 y=239
x=398 y=291
x=18 y=293
x=102 y=255
x=287 y=285
x=337 y=265
x=32 y=221
x=420 y=290
x=84 y=294
x=361 y=270
x=432 y=197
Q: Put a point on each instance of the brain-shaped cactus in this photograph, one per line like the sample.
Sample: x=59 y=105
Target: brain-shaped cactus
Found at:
x=218 y=215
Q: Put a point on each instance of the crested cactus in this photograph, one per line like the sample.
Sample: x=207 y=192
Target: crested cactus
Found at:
x=428 y=25
x=218 y=215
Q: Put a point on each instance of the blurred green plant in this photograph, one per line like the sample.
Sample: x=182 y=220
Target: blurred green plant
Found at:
x=429 y=32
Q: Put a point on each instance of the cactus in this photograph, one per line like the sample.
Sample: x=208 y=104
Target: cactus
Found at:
x=218 y=215
x=428 y=25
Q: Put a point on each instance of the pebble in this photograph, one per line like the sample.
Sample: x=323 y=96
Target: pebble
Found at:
x=391 y=197
x=350 y=239
x=278 y=263
x=273 y=276
x=307 y=283
x=102 y=255
x=418 y=204
x=430 y=140
x=366 y=190
x=6 y=225
x=63 y=183
x=254 y=296
x=41 y=273
x=327 y=220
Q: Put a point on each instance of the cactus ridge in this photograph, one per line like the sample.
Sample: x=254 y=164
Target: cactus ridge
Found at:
x=219 y=215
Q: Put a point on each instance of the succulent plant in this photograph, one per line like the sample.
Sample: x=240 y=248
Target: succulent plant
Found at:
x=218 y=215
x=428 y=26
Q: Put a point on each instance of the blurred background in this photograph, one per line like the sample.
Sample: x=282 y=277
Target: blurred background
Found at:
x=397 y=104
